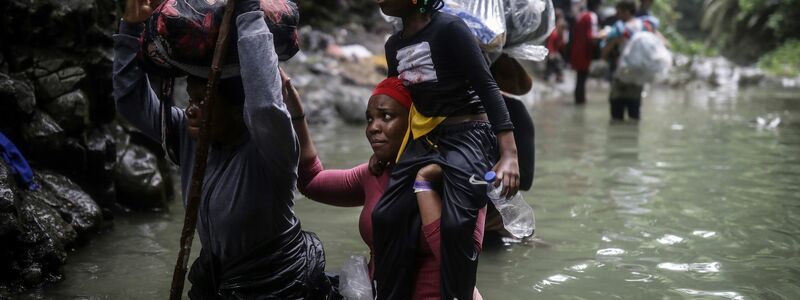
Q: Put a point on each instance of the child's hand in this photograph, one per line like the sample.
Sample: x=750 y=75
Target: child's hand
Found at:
x=507 y=169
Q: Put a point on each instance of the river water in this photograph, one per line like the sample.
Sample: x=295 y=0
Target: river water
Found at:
x=696 y=201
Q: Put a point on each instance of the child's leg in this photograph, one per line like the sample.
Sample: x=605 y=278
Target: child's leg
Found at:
x=429 y=201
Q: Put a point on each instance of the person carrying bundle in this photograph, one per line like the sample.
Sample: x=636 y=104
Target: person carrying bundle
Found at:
x=459 y=122
x=252 y=243
x=636 y=67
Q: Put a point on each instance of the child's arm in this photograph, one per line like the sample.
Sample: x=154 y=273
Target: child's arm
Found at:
x=475 y=68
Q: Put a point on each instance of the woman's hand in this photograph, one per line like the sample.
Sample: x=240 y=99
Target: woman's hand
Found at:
x=290 y=95
x=507 y=168
x=137 y=11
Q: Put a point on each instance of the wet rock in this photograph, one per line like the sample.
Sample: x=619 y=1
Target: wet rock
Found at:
x=72 y=158
x=351 y=103
x=102 y=109
x=59 y=83
x=17 y=102
x=70 y=111
x=74 y=205
x=32 y=274
x=317 y=107
x=8 y=223
x=315 y=40
x=101 y=156
x=8 y=219
x=7 y=189
x=138 y=179
x=44 y=232
x=43 y=136
x=751 y=77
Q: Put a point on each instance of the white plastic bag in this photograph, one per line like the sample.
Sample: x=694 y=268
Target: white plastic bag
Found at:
x=485 y=18
x=528 y=21
x=354 y=282
x=644 y=59
x=527 y=52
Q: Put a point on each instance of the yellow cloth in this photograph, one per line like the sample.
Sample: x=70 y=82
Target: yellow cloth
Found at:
x=418 y=126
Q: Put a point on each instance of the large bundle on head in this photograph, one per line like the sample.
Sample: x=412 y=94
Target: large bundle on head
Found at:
x=644 y=59
x=181 y=34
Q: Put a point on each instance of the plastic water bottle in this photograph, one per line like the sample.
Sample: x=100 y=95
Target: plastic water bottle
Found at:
x=517 y=215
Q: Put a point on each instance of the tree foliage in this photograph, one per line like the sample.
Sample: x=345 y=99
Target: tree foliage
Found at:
x=745 y=30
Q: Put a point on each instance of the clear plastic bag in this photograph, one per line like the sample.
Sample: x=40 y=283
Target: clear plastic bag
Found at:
x=527 y=52
x=354 y=282
x=644 y=59
x=485 y=18
x=528 y=21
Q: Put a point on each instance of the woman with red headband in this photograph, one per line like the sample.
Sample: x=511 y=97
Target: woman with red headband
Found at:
x=387 y=121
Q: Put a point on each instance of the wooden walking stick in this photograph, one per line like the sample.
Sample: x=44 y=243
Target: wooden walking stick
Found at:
x=201 y=154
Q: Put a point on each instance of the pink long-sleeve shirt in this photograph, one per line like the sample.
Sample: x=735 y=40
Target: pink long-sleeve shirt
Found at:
x=357 y=186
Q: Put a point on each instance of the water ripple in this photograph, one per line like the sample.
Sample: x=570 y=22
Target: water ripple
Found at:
x=712 y=267
x=721 y=294
x=669 y=239
x=610 y=251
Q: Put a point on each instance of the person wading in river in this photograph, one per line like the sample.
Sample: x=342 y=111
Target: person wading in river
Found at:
x=387 y=120
x=624 y=96
x=584 y=40
x=454 y=100
x=252 y=243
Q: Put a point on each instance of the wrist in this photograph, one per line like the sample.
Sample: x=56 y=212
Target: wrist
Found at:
x=131 y=28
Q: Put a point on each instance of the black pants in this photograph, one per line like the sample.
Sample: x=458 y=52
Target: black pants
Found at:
x=580 y=87
x=620 y=105
x=553 y=67
x=462 y=150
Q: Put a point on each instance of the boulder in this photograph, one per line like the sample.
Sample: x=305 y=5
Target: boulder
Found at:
x=58 y=83
x=44 y=232
x=351 y=102
x=42 y=136
x=101 y=156
x=70 y=111
x=74 y=205
x=17 y=102
x=138 y=179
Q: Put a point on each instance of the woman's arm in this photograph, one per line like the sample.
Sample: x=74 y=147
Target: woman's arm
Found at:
x=308 y=153
x=333 y=187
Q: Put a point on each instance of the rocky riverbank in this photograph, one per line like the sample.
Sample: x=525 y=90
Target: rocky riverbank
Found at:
x=56 y=107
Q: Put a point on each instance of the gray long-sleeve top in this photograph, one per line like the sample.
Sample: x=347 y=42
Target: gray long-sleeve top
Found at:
x=248 y=187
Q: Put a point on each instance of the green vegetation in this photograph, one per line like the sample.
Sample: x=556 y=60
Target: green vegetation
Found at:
x=745 y=30
x=783 y=61
x=680 y=44
x=675 y=18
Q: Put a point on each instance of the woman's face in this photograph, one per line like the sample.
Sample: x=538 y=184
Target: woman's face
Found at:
x=396 y=8
x=387 y=122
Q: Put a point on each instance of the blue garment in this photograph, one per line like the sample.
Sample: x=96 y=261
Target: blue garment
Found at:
x=17 y=162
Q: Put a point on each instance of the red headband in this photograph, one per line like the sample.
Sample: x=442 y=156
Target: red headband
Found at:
x=394 y=88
